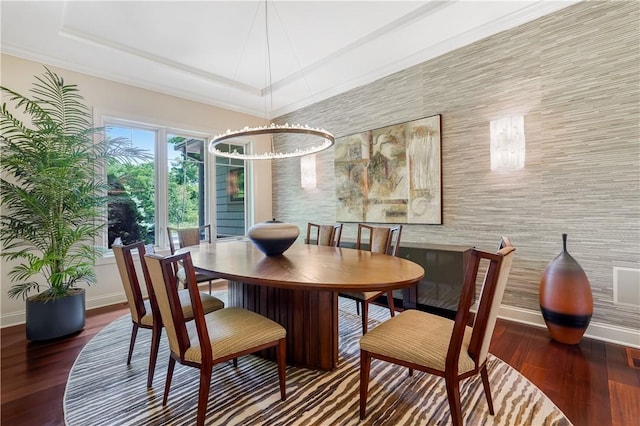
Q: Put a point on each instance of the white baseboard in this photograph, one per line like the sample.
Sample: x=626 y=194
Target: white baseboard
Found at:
x=16 y=318
x=105 y=300
x=598 y=331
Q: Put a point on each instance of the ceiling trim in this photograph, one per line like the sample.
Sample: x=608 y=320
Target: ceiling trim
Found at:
x=137 y=82
x=396 y=25
x=478 y=33
x=214 y=78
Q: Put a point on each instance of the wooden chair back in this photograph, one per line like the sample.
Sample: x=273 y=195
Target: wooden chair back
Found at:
x=325 y=235
x=490 y=300
x=129 y=277
x=140 y=317
x=187 y=237
x=165 y=286
x=492 y=291
x=381 y=239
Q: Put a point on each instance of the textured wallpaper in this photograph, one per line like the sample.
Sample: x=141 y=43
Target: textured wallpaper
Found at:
x=575 y=76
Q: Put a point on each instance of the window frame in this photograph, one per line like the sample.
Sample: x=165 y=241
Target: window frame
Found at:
x=161 y=171
x=248 y=197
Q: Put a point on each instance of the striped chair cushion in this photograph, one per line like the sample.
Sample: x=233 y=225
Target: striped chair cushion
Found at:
x=417 y=337
x=200 y=276
x=233 y=330
x=362 y=295
x=209 y=304
x=147 y=319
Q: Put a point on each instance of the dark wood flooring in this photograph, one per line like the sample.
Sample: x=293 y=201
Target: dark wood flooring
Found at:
x=592 y=383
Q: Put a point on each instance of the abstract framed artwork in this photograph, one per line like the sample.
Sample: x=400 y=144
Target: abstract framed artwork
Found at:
x=391 y=175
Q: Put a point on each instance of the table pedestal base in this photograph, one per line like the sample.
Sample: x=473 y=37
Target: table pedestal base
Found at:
x=309 y=316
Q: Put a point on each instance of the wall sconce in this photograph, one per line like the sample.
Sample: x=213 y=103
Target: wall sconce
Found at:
x=308 y=171
x=507 y=143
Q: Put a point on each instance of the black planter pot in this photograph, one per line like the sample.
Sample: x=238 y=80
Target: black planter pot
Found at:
x=55 y=318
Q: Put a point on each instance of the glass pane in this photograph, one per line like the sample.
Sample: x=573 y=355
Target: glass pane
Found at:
x=186 y=182
x=132 y=203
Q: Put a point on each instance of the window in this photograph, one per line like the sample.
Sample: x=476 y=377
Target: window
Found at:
x=167 y=190
x=131 y=209
x=186 y=182
x=231 y=198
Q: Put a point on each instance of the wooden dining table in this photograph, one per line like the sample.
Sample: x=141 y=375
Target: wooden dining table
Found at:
x=299 y=289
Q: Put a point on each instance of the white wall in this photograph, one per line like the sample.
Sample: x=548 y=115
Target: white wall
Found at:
x=123 y=101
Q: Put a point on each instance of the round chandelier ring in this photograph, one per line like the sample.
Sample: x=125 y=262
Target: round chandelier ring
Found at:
x=328 y=138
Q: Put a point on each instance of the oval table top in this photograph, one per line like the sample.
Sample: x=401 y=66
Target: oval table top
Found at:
x=306 y=266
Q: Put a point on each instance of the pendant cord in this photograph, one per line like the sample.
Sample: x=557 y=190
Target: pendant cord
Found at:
x=266 y=29
x=271 y=129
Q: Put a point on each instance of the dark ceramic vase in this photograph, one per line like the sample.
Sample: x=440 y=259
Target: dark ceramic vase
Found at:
x=566 y=301
x=273 y=237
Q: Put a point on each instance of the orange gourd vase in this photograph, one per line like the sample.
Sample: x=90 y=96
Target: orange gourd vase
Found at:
x=566 y=301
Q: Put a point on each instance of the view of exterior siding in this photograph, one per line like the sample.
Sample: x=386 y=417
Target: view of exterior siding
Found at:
x=230 y=215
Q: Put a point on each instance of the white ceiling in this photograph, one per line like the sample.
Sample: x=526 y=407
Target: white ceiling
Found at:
x=215 y=52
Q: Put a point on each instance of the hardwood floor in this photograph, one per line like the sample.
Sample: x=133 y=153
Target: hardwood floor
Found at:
x=592 y=383
x=33 y=375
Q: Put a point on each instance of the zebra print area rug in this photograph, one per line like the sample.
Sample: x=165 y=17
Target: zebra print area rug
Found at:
x=103 y=390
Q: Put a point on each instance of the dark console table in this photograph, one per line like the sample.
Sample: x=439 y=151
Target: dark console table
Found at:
x=439 y=290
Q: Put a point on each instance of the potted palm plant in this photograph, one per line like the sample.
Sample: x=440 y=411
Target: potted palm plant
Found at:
x=53 y=198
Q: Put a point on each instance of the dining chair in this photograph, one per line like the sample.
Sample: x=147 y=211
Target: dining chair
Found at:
x=324 y=235
x=448 y=348
x=212 y=337
x=187 y=237
x=380 y=240
x=144 y=312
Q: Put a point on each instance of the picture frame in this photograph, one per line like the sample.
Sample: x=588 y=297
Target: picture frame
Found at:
x=392 y=174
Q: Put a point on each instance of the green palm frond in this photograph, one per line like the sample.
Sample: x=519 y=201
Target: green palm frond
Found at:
x=52 y=194
x=22 y=289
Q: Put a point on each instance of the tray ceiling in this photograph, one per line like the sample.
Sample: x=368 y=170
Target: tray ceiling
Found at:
x=215 y=52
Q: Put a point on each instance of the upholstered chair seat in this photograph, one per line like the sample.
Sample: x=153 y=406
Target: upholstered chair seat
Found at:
x=147 y=317
x=361 y=295
x=226 y=325
x=189 y=237
x=381 y=240
x=209 y=304
x=200 y=276
x=418 y=338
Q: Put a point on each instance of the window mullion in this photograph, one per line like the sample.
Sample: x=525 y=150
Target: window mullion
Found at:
x=162 y=188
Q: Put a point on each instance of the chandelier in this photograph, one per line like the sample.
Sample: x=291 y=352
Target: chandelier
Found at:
x=273 y=129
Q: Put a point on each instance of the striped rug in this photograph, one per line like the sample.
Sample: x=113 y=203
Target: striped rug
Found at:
x=103 y=390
